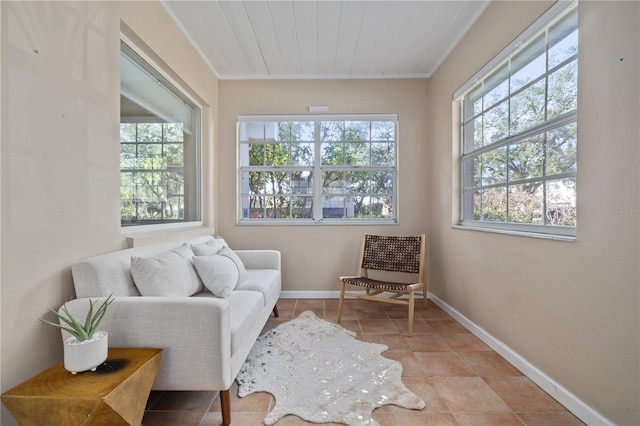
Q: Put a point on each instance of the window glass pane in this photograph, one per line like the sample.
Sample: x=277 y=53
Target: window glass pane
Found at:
x=277 y=154
x=333 y=183
x=496 y=87
x=332 y=154
x=301 y=207
x=473 y=102
x=252 y=131
x=563 y=90
x=494 y=166
x=526 y=159
x=496 y=123
x=357 y=131
x=149 y=132
x=527 y=107
x=173 y=132
x=383 y=131
x=302 y=182
x=173 y=154
x=494 y=204
x=337 y=207
x=525 y=203
x=256 y=154
x=302 y=131
x=561 y=149
x=128 y=132
x=473 y=133
x=253 y=182
x=382 y=183
x=302 y=154
x=283 y=133
x=332 y=130
x=563 y=39
x=561 y=202
x=357 y=182
x=357 y=154
x=529 y=64
x=383 y=154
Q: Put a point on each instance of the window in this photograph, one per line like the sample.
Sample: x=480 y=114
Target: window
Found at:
x=519 y=134
x=159 y=147
x=318 y=169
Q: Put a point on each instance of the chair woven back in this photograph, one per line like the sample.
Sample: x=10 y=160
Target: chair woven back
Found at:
x=392 y=253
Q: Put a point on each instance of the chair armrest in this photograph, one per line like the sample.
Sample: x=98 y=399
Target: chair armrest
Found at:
x=259 y=259
x=194 y=333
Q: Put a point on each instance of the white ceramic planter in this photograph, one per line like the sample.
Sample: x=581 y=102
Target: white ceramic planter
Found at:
x=86 y=355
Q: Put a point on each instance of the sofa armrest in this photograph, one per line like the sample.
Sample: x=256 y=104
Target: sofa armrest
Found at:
x=259 y=259
x=193 y=332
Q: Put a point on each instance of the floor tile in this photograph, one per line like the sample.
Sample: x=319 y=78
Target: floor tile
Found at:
x=430 y=342
x=447 y=326
x=378 y=326
x=489 y=364
x=425 y=419
x=184 y=401
x=521 y=394
x=410 y=365
x=469 y=394
x=488 y=419
x=550 y=419
x=424 y=388
x=443 y=364
x=465 y=342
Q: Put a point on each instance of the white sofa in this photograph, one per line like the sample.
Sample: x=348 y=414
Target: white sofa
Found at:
x=205 y=339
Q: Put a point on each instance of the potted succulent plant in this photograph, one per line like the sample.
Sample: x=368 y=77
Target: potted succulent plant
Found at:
x=87 y=347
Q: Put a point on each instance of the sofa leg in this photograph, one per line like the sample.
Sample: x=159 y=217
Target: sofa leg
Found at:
x=275 y=311
x=225 y=404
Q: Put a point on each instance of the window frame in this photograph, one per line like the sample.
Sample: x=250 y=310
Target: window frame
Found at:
x=317 y=169
x=195 y=168
x=468 y=181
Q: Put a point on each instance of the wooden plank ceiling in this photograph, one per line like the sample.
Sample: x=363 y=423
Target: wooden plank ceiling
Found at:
x=251 y=39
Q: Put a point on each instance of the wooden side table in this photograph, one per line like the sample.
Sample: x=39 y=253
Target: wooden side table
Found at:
x=115 y=394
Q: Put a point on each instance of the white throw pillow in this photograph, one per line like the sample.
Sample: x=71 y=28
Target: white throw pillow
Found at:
x=209 y=248
x=242 y=271
x=168 y=274
x=218 y=273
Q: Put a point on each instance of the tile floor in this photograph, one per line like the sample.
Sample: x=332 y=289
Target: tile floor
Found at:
x=462 y=381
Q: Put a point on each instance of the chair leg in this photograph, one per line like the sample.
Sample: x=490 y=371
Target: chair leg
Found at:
x=225 y=403
x=425 y=296
x=411 y=309
x=340 y=302
x=275 y=311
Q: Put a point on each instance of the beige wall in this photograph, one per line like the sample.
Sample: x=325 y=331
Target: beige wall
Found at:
x=569 y=308
x=314 y=256
x=60 y=154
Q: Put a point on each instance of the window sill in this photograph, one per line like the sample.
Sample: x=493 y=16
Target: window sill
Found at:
x=320 y=223
x=140 y=236
x=566 y=238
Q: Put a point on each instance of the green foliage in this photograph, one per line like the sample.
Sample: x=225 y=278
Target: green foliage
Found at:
x=81 y=331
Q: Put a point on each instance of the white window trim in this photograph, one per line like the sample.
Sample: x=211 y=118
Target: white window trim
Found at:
x=317 y=214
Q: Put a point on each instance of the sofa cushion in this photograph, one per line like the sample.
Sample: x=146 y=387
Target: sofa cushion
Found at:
x=266 y=281
x=219 y=274
x=168 y=274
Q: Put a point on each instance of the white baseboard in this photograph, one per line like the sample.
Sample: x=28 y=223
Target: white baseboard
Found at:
x=581 y=410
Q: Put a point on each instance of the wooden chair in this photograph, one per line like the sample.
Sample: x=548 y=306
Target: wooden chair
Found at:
x=398 y=257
